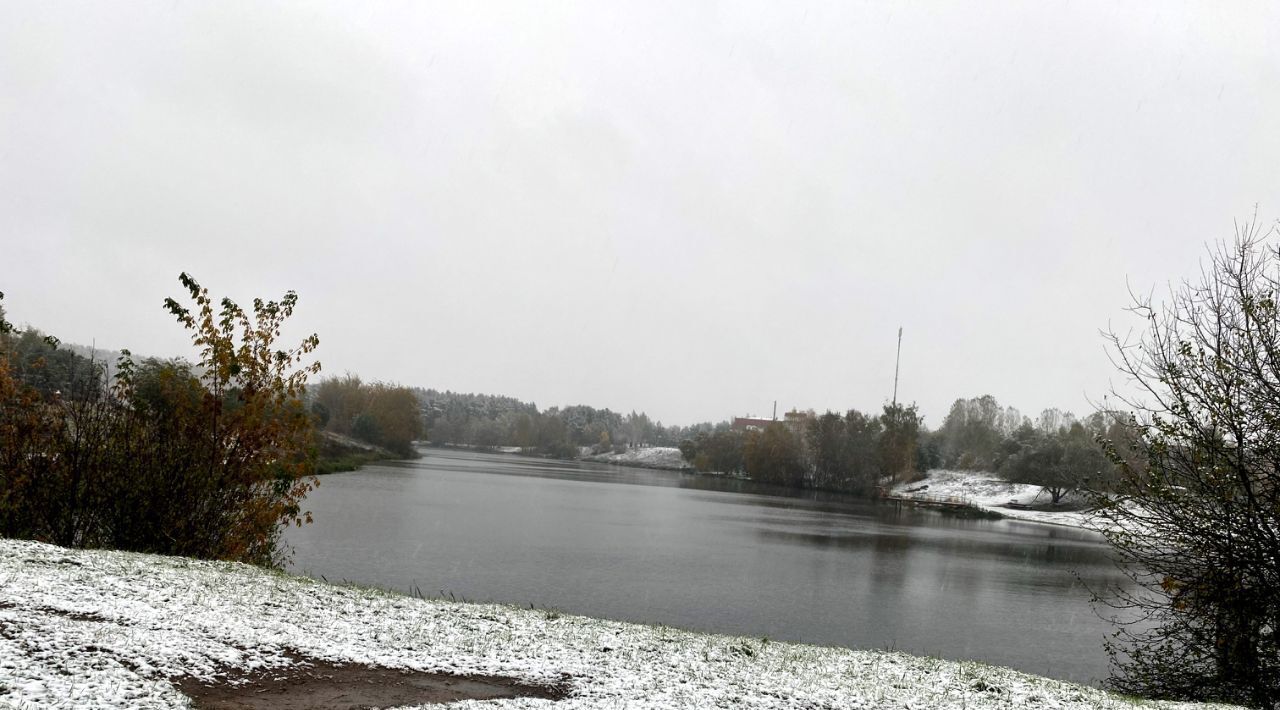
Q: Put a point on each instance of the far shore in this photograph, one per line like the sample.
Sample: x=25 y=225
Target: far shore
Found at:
x=981 y=490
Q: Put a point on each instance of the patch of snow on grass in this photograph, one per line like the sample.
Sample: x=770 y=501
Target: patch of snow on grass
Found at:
x=650 y=457
x=94 y=629
x=990 y=492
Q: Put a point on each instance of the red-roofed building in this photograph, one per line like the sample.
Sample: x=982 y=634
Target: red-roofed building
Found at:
x=744 y=423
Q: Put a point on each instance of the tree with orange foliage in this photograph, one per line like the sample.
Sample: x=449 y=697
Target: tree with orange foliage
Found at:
x=254 y=436
x=166 y=460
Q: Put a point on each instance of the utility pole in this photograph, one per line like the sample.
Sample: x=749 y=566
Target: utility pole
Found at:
x=897 y=361
x=775 y=410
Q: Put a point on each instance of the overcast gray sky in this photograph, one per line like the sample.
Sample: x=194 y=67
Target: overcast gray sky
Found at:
x=691 y=209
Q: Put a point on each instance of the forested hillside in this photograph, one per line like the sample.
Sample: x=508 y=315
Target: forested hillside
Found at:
x=490 y=421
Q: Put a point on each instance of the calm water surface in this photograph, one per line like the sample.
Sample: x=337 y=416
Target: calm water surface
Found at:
x=716 y=555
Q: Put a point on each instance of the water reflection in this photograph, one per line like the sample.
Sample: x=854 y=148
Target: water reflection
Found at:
x=714 y=554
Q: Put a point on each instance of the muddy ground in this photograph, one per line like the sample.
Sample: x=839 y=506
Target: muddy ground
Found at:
x=320 y=685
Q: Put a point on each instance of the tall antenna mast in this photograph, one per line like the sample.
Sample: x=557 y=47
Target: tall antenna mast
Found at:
x=897 y=361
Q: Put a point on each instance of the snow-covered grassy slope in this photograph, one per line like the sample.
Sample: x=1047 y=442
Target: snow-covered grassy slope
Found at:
x=106 y=629
x=986 y=490
x=667 y=457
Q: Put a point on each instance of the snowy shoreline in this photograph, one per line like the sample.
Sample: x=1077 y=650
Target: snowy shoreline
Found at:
x=986 y=491
x=661 y=458
x=664 y=458
x=980 y=489
x=108 y=629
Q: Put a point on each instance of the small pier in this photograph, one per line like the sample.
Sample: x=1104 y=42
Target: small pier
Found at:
x=924 y=500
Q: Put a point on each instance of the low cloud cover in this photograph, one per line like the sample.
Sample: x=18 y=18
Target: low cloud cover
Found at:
x=691 y=209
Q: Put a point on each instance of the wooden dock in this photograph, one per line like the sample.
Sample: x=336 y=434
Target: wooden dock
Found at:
x=928 y=501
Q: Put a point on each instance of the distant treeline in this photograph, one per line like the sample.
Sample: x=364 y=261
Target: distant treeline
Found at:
x=1056 y=450
x=857 y=452
x=488 y=421
x=377 y=413
x=854 y=451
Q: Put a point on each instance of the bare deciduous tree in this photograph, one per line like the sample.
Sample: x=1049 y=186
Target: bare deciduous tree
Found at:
x=1195 y=517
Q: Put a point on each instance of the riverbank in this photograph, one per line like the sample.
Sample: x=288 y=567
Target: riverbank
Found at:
x=983 y=494
x=338 y=454
x=664 y=458
x=986 y=491
x=661 y=458
x=120 y=630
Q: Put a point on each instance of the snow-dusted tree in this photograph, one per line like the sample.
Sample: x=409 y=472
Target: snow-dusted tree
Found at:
x=1196 y=523
x=1061 y=461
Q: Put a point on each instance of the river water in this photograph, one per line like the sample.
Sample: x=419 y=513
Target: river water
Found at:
x=712 y=554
